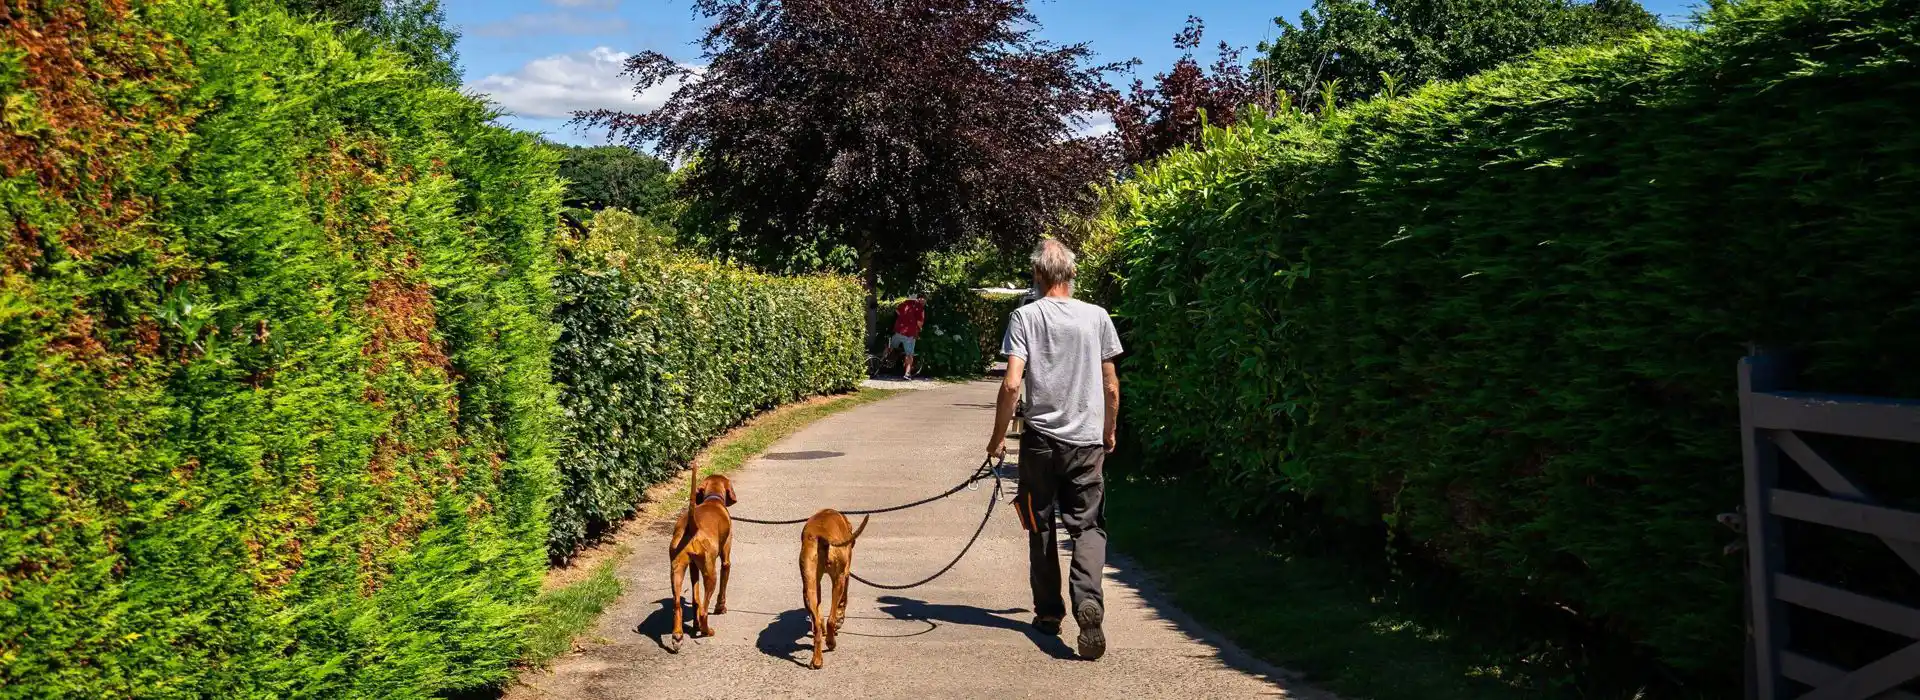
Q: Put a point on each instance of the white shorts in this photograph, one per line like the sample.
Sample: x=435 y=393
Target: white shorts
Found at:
x=900 y=341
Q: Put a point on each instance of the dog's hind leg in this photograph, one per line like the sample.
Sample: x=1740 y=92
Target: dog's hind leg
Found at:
x=838 y=616
x=693 y=593
x=810 y=594
x=726 y=573
x=703 y=594
x=679 y=577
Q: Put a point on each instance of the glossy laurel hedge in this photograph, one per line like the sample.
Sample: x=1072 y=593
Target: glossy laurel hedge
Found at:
x=660 y=353
x=1504 y=315
x=274 y=385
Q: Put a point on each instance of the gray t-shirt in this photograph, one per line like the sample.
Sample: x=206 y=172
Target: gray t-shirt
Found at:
x=1064 y=341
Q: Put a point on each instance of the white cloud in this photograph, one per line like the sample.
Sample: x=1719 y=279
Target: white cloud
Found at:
x=1089 y=124
x=1097 y=124
x=559 y=85
x=566 y=23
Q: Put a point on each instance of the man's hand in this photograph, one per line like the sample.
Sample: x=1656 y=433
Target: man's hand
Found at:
x=1110 y=442
x=997 y=447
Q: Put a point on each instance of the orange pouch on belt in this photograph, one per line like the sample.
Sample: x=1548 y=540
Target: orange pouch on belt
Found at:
x=1023 y=507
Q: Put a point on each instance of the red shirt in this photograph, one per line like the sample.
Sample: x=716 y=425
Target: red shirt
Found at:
x=907 y=318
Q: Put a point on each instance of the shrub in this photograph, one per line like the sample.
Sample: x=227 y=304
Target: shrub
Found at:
x=980 y=263
x=659 y=353
x=961 y=336
x=274 y=395
x=1096 y=236
x=1503 y=315
x=951 y=349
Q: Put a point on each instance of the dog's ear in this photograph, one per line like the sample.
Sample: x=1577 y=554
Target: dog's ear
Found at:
x=699 y=494
x=730 y=498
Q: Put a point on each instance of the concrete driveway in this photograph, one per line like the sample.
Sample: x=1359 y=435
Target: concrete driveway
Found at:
x=965 y=635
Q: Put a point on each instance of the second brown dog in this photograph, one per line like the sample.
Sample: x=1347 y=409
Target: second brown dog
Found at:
x=826 y=547
x=703 y=542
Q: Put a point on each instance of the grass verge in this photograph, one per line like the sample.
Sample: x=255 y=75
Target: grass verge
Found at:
x=563 y=613
x=1302 y=604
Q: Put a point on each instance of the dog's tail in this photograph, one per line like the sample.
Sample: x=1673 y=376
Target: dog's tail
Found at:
x=856 y=532
x=693 y=487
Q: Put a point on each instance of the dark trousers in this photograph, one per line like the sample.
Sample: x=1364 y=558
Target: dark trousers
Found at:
x=1057 y=479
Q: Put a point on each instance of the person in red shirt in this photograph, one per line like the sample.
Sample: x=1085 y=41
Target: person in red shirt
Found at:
x=907 y=319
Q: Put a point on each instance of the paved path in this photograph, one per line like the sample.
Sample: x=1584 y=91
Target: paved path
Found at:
x=963 y=636
x=898 y=383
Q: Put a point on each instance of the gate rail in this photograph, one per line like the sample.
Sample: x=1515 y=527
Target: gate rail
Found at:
x=1771 y=421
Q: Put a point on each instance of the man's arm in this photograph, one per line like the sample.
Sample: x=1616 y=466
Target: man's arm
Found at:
x=1003 y=411
x=1111 y=378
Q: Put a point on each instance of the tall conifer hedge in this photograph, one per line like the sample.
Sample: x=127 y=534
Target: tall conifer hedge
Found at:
x=1503 y=315
x=279 y=413
x=275 y=403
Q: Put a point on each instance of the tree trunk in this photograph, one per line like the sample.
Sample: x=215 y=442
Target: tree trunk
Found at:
x=870 y=277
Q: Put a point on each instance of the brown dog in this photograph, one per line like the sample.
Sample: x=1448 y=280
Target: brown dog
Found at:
x=703 y=541
x=826 y=547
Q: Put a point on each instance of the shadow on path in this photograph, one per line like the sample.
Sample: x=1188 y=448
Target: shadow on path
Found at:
x=802 y=455
x=659 y=625
x=781 y=637
x=909 y=609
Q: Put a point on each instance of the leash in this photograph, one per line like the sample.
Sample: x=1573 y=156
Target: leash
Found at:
x=992 y=500
x=986 y=470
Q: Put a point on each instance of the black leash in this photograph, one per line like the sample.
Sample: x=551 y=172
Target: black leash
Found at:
x=986 y=470
x=992 y=500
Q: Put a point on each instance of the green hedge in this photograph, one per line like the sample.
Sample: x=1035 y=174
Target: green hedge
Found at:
x=659 y=353
x=1503 y=315
x=274 y=385
x=961 y=336
x=984 y=317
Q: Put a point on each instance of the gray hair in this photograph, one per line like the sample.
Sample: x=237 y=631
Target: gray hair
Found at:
x=1053 y=263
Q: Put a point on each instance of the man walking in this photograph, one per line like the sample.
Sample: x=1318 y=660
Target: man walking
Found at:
x=1062 y=349
x=907 y=319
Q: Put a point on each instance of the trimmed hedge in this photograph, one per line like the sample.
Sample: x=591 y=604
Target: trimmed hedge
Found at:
x=981 y=319
x=274 y=391
x=1503 y=315
x=659 y=353
x=961 y=336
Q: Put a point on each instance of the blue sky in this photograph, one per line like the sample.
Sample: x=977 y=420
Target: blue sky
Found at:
x=542 y=59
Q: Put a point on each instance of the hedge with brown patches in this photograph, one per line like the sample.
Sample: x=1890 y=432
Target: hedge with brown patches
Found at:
x=274 y=392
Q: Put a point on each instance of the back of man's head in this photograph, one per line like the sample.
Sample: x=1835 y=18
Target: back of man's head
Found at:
x=1053 y=264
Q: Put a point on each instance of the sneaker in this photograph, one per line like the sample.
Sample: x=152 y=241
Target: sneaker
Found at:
x=1047 y=625
x=1093 y=642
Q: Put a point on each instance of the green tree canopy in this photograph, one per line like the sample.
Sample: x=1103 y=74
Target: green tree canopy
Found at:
x=416 y=28
x=1355 y=49
x=600 y=177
